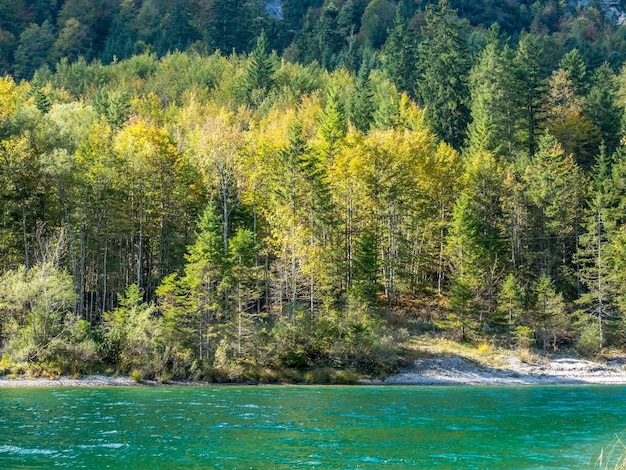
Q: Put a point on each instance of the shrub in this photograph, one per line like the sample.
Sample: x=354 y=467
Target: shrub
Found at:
x=136 y=375
x=588 y=342
x=330 y=376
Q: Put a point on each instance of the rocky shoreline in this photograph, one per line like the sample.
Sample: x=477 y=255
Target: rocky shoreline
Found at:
x=433 y=370
x=455 y=370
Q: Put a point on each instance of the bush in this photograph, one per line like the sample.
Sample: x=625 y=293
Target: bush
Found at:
x=523 y=337
x=330 y=376
x=588 y=343
x=136 y=375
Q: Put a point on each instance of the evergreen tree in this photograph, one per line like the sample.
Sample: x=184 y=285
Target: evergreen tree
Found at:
x=177 y=26
x=574 y=64
x=493 y=109
x=259 y=72
x=566 y=122
x=226 y=26
x=327 y=36
x=549 y=312
x=206 y=279
x=510 y=306
x=443 y=78
x=530 y=75
x=366 y=271
x=553 y=195
x=601 y=107
x=474 y=244
x=121 y=41
x=400 y=54
x=34 y=49
x=595 y=252
x=360 y=103
x=334 y=124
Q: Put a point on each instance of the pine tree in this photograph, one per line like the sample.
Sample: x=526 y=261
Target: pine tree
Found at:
x=595 y=252
x=34 y=49
x=365 y=274
x=334 y=124
x=529 y=73
x=492 y=86
x=510 y=306
x=443 y=79
x=361 y=103
x=400 y=54
x=207 y=281
x=601 y=107
x=259 y=72
x=549 y=312
x=121 y=41
x=574 y=63
x=553 y=197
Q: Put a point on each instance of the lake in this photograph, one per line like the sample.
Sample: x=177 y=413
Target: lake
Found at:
x=326 y=427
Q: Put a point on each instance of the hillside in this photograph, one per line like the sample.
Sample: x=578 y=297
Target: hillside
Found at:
x=317 y=197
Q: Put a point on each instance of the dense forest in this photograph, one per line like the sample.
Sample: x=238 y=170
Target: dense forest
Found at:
x=245 y=190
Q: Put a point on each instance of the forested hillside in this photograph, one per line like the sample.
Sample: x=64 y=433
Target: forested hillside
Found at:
x=236 y=190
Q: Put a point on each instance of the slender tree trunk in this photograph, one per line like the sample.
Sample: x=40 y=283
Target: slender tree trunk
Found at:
x=294 y=280
x=349 y=240
x=441 y=248
x=104 y=281
x=140 y=247
x=26 y=260
x=81 y=289
x=226 y=212
x=239 y=318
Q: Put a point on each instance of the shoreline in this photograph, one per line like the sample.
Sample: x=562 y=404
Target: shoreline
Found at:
x=559 y=370
x=433 y=370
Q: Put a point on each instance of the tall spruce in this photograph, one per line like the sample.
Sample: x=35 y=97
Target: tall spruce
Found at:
x=442 y=84
x=259 y=74
x=400 y=53
x=595 y=251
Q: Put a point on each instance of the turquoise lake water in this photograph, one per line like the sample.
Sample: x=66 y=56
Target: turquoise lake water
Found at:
x=309 y=427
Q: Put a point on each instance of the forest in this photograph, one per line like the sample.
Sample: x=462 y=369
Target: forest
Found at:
x=191 y=192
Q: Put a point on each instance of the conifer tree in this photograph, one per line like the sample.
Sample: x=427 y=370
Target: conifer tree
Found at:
x=121 y=41
x=595 y=251
x=259 y=72
x=443 y=78
x=601 y=107
x=553 y=195
x=34 y=49
x=549 y=312
x=510 y=306
x=334 y=124
x=361 y=103
x=400 y=54
x=206 y=281
x=574 y=63
x=530 y=75
x=493 y=110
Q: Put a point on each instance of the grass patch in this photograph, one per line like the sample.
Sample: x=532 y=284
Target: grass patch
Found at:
x=484 y=354
x=330 y=376
x=614 y=456
x=136 y=375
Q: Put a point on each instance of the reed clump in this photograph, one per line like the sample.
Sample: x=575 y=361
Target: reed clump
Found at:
x=614 y=456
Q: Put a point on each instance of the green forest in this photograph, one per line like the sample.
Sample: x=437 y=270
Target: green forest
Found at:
x=232 y=190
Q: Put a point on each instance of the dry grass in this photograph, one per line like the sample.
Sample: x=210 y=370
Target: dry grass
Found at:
x=485 y=353
x=614 y=456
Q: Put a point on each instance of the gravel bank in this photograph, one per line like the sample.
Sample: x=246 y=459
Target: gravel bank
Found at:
x=435 y=370
x=87 y=381
x=460 y=371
